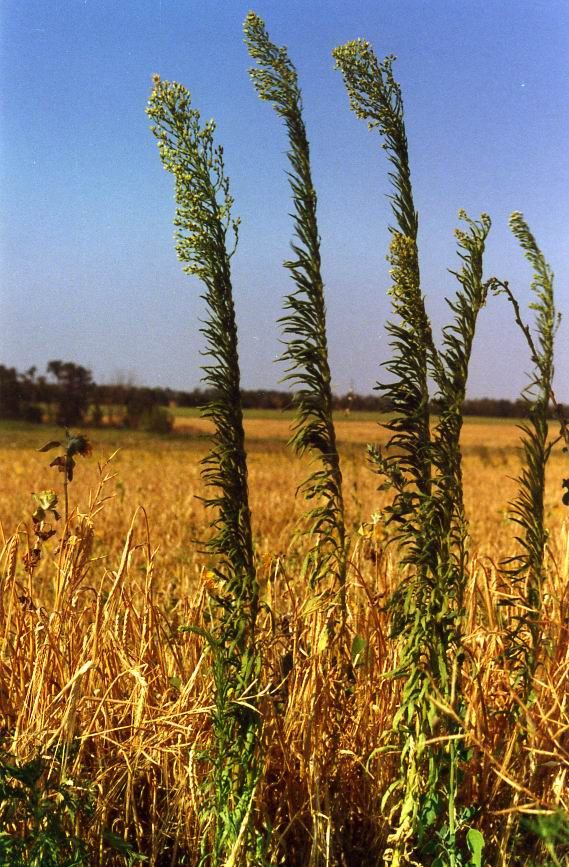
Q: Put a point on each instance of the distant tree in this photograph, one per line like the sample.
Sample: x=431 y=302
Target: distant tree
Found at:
x=138 y=401
x=10 y=393
x=73 y=392
x=19 y=395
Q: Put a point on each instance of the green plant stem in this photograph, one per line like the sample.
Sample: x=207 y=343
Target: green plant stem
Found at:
x=304 y=325
x=203 y=223
x=527 y=509
x=423 y=468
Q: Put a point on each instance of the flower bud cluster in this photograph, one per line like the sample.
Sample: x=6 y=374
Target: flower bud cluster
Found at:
x=403 y=260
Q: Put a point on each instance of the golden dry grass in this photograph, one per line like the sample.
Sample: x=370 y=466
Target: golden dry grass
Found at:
x=163 y=476
x=93 y=663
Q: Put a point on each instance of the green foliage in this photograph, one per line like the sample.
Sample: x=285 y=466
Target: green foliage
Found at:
x=115 y=843
x=156 y=420
x=204 y=225
x=203 y=221
x=304 y=324
x=475 y=841
x=552 y=833
x=38 y=816
x=40 y=813
x=359 y=651
x=47 y=501
x=73 y=446
x=423 y=468
x=527 y=510
x=376 y=97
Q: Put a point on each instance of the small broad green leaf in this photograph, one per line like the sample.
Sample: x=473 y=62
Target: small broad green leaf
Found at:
x=46 y=500
x=312 y=604
x=359 y=651
x=123 y=846
x=52 y=444
x=175 y=683
x=323 y=640
x=408 y=806
x=429 y=816
x=475 y=841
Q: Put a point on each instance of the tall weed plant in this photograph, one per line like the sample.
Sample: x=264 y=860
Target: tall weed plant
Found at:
x=452 y=741
x=304 y=325
x=422 y=465
x=206 y=239
x=306 y=354
x=527 y=568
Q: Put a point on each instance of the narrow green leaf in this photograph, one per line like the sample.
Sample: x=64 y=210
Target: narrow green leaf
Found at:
x=53 y=444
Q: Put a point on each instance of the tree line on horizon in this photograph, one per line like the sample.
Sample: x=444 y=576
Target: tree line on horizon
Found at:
x=67 y=394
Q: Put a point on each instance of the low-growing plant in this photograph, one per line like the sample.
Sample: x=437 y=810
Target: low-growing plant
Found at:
x=73 y=446
x=38 y=815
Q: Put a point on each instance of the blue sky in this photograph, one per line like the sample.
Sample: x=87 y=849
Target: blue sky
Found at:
x=88 y=267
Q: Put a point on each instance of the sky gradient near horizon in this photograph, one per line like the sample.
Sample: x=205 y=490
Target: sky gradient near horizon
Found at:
x=88 y=268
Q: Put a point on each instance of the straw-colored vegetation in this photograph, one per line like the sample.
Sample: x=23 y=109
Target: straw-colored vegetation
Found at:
x=98 y=678
x=162 y=475
x=332 y=659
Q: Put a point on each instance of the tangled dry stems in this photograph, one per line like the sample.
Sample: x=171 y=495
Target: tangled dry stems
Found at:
x=96 y=675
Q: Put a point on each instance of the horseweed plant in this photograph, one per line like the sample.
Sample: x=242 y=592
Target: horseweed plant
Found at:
x=424 y=470
x=204 y=225
x=422 y=465
x=304 y=326
x=527 y=510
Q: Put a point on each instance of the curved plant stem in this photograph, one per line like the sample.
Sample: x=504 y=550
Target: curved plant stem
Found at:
x=304 y=325
x=423 y=467
x=527 y=569
x=203 y=223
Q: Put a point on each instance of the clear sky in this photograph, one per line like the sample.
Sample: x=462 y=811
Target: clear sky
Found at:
x=88 y=267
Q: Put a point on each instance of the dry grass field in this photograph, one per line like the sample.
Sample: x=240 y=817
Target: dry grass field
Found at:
x=97 y=676
x=162 y=475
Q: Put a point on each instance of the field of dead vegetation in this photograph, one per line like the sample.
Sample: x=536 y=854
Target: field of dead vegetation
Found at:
x=99 y=675
x=162 y=476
